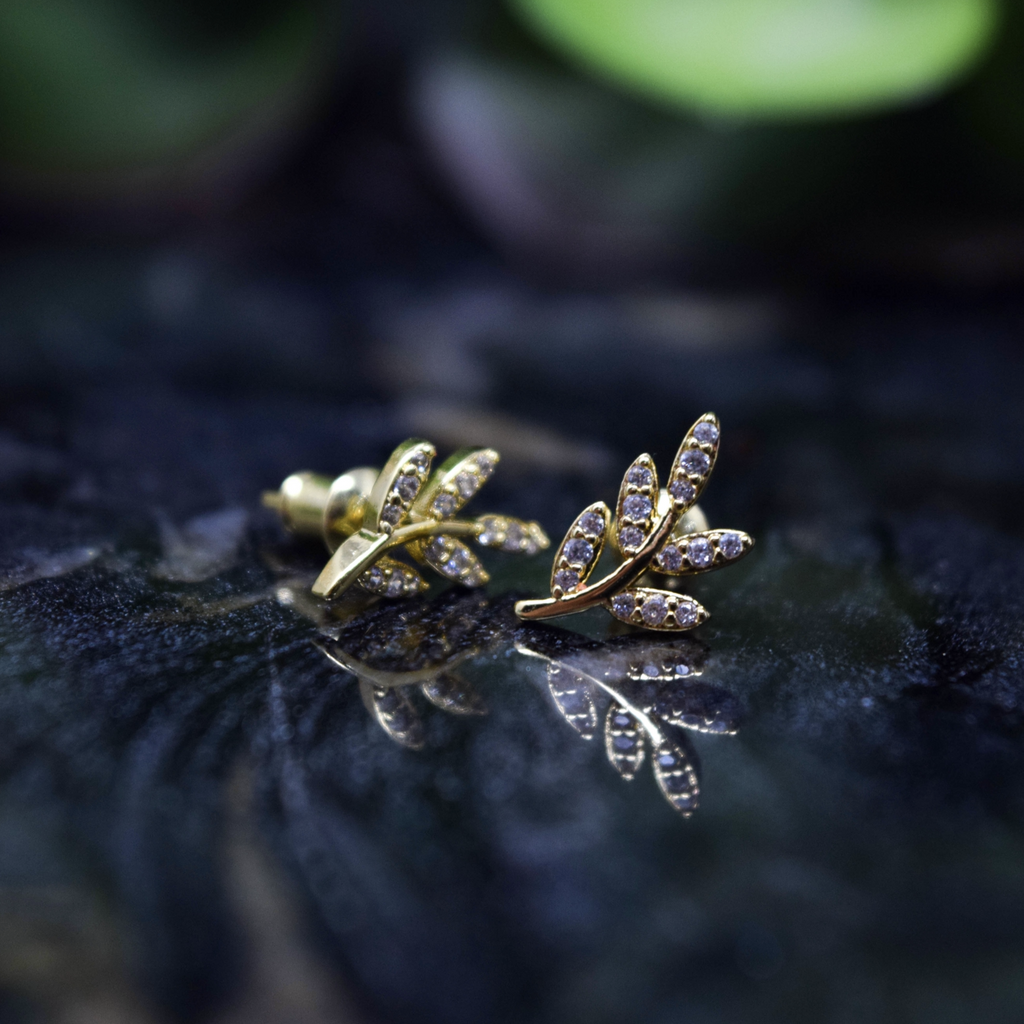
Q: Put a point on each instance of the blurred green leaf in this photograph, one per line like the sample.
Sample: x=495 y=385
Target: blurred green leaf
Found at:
x=771 y=58
x=95 y=85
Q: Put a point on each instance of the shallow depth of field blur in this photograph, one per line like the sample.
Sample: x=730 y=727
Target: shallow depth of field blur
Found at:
x=608 y=143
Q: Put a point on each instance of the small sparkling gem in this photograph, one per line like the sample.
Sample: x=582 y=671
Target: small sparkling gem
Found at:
x=566 y=579
x=592 y=523
x=623 y=605
x=670 y=559
x=396 y=586
x=730 y=544
x=444 y=504
x=681 y=489
x=706 y=433
x=391 y=514
x=485 y=463
x=678 y=784
x=514 y=537
x=623 y=743
x=622 y=721
x=636 y=507
x=437 y=549
x=631 y=537
x=373 y=579
x=407 y=486
x=700 y=552
x=695 y=461
x=468 y=484
x=651 y=671
x=686 y=615
x=666 y=760
x=639 y=476
x=491 y=531
x=578 y=551
x=654 y=610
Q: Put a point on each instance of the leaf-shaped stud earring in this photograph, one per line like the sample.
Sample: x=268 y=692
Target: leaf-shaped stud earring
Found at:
x=363 y=515
x=655 y=529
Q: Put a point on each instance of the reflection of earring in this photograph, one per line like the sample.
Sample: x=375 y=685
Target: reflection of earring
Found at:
x=364 y=514
x=660 y=530
x=388 y=656
x=653 y=702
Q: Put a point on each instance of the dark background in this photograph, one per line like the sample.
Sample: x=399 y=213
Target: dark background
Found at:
x=241 y=239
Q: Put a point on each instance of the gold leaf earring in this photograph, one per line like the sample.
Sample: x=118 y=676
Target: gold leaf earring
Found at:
x=658 y=530
x=364 y=515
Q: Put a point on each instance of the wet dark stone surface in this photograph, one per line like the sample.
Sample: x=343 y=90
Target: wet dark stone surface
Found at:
x=858 y=848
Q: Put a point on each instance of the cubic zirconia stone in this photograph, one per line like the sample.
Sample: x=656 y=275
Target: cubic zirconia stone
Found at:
x=437 y=549
x=622 y=721
x=514 y=537
x=623 y=605
x=706 y=433
x=686 y=615
x=578 y=551
x=485 y=464
x=396 y=585
x=591 y=523
x=420 y=459
x=700 y=552
x=679 y=784
x=566 y=579
x=695 y=461
x=468 y=484
x=373 y=579
x=730 y=544
x=636 y=507
x=670 y=559
x=407 y=486
x=681 y=489
x=391 y=514
x=444 y=504
x=654 y=610
x=666 y=760
x=623 y=742
x=631 y=537
x=639 y=476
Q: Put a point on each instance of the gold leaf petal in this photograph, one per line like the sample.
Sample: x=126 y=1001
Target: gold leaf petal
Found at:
x=455 y=481
x=657 y=609
x=580 y=551
x=452 y=559
x=398 y=485
x=574 y=698
x=674 y=768
x=694 y=462
x=455 y=695
x=623 y=740
x=637 y=507
x=390 y=578
x=511 y=534
x=701 y=552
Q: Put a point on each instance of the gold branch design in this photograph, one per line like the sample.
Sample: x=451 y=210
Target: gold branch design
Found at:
x=411 y=508
x=647 y=533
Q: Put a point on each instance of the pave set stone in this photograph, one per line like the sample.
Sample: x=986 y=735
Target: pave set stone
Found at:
x=391 y=579
x=511 y=535
x=698 y=552
x=579 y=553
x=453 y=559
x=636 y=505
x=655 y=608
x=407 y=485
x=463 y=481
x=694 y=463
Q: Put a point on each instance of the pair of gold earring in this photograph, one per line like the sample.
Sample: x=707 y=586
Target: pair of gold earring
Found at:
x=363 y=515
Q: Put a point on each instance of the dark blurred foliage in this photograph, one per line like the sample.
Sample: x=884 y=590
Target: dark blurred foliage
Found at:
x=129 y=114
